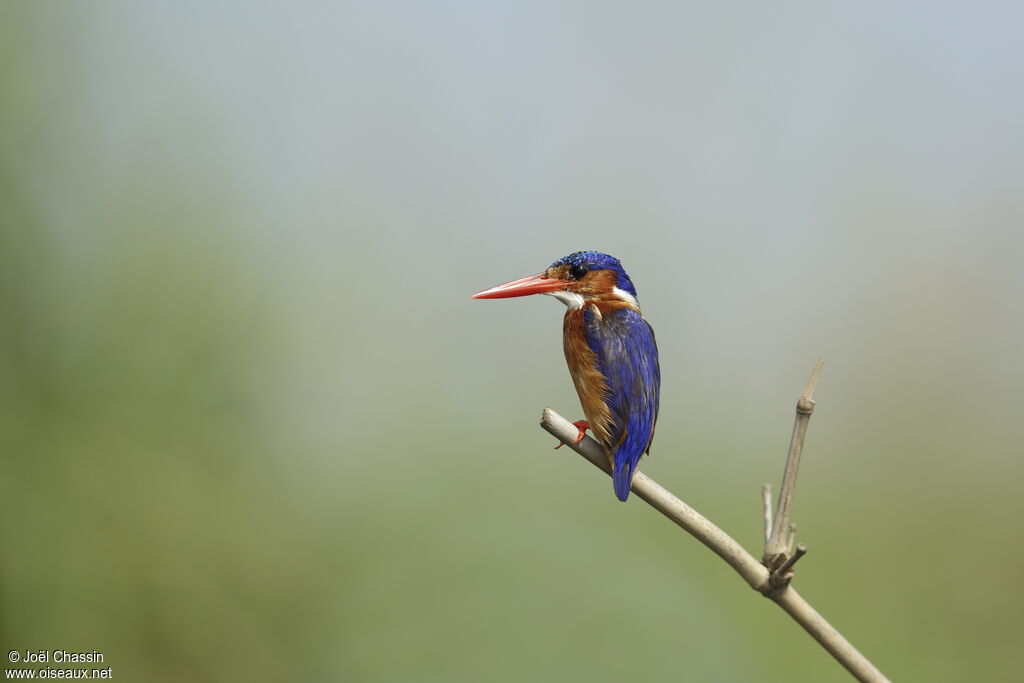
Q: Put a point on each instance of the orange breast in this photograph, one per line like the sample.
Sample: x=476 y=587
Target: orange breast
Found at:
x=591 y=385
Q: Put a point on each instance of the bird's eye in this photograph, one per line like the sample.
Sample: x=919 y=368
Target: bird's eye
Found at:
x=576 y=272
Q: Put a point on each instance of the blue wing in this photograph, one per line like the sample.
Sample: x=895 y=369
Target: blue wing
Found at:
x=627 y=356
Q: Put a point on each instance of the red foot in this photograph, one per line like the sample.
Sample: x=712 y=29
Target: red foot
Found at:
x=581 y=425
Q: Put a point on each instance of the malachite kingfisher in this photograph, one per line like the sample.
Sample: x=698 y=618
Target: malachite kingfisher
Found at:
x=610 y=350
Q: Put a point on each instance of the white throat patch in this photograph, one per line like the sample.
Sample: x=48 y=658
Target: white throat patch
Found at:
x=625 y=296
x=570 y=299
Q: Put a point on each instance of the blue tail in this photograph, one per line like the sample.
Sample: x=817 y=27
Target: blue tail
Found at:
x=622 y=475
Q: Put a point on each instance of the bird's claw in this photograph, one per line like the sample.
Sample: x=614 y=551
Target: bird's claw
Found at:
x=582 y=426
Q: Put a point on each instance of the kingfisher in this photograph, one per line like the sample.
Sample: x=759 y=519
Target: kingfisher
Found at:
x=610 y=351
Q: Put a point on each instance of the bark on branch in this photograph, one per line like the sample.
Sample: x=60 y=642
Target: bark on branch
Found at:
x=756 y=574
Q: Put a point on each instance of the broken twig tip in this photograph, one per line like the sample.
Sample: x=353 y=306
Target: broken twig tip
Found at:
x=787 y=566
x=812 y=381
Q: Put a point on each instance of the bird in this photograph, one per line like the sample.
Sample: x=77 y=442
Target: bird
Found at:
x=610 y=350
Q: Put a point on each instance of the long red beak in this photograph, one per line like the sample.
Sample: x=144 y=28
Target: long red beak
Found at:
x=534 y=284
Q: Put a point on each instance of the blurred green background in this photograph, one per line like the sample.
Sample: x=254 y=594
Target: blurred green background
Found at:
x=253 y=427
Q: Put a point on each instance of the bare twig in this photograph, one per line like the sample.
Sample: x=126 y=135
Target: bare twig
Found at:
x=723 y=545
x=780 y=574
x=766 y=505
x=777 y=547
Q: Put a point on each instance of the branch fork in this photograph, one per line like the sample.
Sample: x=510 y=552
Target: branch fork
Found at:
x=779 y=553
x=772 y=575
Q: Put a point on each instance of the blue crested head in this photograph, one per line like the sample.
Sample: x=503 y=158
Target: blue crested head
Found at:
x=584 y=261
